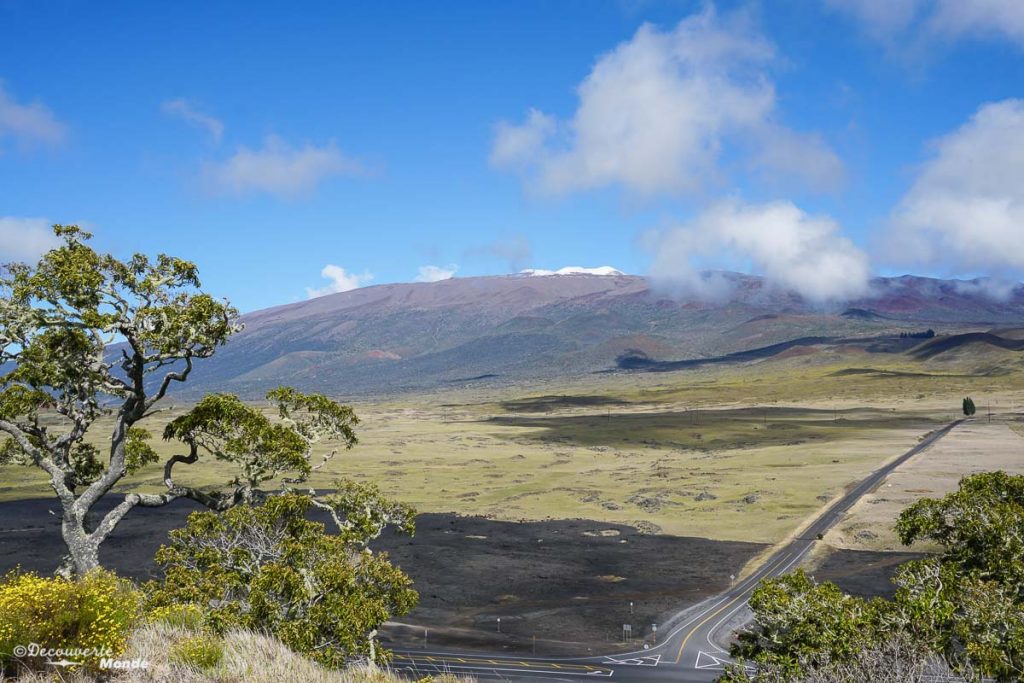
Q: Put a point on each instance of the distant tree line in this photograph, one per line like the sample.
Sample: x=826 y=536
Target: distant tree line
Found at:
x=927 y=334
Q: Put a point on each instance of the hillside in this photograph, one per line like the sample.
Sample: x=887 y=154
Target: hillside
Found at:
x=393 y=338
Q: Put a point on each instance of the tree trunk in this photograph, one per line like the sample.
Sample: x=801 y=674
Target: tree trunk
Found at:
x=83 y=553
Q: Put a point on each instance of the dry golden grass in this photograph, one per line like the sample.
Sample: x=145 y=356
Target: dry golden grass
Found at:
x=248 y=658
x=773 y=442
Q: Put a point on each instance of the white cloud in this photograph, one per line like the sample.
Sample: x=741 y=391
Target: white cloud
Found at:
x=518 y=146
x=793 y=250
x=278 y=169
x=993 y=288
x=25 y=239
x=656 y=113
x=27 y=123
x=965 y=209
x=184 y=110
x=340 y=281
x=944 y=19
x=436 y=273
x=980 y=17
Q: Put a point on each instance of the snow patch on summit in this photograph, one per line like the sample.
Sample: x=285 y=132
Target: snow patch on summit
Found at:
x=571 y=270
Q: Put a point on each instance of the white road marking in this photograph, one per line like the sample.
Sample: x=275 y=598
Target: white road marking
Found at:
x=709 y=661
x=634 y=661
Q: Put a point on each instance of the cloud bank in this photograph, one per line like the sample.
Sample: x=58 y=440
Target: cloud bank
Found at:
x=25 y=239
x=656 y=114
x=965 y=209
x=28 y=123
x=793 y=250
x=340 y=281
x=686 y=111
x=278 y=169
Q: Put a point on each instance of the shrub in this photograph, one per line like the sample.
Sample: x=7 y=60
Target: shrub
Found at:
x=248 y=657
x=183 y=616
x=198 y=651
x=268 y=568
x=83 y=620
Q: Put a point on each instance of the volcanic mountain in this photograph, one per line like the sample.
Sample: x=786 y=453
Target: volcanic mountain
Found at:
x=394 y=338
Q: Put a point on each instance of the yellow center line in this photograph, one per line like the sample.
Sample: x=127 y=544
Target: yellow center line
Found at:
x=682 y=645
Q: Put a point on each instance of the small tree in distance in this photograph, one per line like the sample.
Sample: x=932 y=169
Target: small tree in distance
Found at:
x=969 y=408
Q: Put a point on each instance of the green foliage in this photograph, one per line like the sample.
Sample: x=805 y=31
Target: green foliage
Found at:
x=225 y=427
x=980 y=527
x=362 y=512
x=972 y=596
x=270 y=568
x=188 y=616
x=803 y=625
x=59 y=321
x=200 y=651
x=95 y=612
x=968 y=407
x=58 y=316
x=138 y=452
x=975 y=624
x=314 y=416
x=965 y=605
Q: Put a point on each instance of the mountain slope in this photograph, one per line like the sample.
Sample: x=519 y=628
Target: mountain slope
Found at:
x=400 y=337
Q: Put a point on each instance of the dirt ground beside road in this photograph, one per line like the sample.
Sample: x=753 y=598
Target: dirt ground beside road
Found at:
x=975 y=446
x=565 y=580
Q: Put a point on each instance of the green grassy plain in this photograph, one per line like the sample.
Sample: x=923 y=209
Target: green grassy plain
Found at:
x=741 y=453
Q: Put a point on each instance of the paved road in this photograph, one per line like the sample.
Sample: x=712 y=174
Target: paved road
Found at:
x=695 y=648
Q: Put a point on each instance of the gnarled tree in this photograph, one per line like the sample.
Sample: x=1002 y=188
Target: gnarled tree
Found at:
x=87 y=336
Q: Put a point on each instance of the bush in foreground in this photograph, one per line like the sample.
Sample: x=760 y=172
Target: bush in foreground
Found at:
x=958 y=615
x=83 y=620
x=269 y=568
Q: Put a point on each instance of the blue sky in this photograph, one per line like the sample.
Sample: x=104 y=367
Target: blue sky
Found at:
x=266 y=141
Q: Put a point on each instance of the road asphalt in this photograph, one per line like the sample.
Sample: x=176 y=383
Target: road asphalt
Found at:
x=695 y=647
